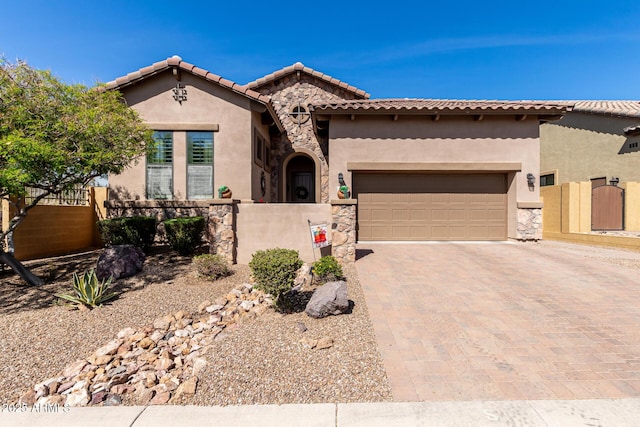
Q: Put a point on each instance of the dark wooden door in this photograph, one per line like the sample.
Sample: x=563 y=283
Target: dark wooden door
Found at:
x=607 y=204
x=303 y=188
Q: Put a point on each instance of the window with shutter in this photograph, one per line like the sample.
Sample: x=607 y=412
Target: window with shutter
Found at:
x=200 y=165
x=160 y=167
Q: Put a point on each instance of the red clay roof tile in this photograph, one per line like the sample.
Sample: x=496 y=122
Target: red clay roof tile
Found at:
x=298 y=66
x=434 y=106
x=610 y=108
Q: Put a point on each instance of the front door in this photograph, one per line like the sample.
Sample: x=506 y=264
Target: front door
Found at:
x=302 y=188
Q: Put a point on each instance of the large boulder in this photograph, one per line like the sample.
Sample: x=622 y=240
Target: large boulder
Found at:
x=120 y=261
x=330 y=298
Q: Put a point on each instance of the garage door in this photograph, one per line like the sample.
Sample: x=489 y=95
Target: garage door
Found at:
x=405 y=206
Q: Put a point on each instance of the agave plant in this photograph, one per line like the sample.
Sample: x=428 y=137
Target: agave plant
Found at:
x=89 y=290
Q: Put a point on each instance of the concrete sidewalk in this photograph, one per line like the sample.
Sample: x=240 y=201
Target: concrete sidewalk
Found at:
x=565 y=413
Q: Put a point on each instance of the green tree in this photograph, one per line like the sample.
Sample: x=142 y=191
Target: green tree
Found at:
x=54 y=136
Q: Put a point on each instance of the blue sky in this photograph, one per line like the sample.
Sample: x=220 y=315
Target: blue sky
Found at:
x=427 y=49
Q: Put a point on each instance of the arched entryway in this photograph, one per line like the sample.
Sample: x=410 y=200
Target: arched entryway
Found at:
x=300 y=181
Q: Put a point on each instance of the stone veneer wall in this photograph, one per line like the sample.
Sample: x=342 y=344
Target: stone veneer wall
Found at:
x=529 y=224
x=222 y=228
x=160 y=209
x=343 y=230
x=285 y=94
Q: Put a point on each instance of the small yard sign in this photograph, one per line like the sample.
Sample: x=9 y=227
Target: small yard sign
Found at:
x=319 y=235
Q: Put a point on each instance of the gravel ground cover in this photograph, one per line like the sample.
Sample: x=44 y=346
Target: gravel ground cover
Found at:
x=264 y=360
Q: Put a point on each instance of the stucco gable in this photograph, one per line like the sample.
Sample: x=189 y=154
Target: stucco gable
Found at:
x=176 y=64
x=298 y=67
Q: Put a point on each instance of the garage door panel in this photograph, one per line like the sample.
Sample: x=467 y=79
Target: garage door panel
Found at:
x=419 y=214
x=478 y=215
x=457 y=215
x=495 y=233
x=400 y=214
x=380 y=215
x=379 y=233
x=431 y=207
x=402 y=232
x=420 y=232
x=439 y=215
x=439 y=233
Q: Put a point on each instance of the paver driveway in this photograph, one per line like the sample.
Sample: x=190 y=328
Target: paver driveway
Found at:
x=468 y=321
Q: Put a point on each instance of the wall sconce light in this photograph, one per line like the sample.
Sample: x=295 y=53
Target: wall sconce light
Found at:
x=614 y=181
x=531 y=180
x=263 y=184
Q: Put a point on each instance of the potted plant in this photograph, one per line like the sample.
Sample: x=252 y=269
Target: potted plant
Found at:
x=224 y=192
x=343 y=192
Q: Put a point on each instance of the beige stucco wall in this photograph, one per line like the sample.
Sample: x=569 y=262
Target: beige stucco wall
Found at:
x=585 y=146
x=456 y=139
x=263 y=226
x=206 y=104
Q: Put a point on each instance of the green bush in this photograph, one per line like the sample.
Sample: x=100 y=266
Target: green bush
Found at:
x=274 y=271
x=184 y=234
x=327 y=269
x=211 y=267
x=88 y=290
x=137 y=230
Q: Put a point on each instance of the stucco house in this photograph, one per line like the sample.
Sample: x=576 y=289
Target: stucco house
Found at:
x=597 y=141
x=417 y=169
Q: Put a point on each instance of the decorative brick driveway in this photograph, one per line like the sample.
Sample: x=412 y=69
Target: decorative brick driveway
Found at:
x=470 y=321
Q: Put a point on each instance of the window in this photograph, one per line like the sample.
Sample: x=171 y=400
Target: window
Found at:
x=160 y=167
x=299 y=114
x=258 y=149
x=199 y=165
x=267 y=156
x=548 y=179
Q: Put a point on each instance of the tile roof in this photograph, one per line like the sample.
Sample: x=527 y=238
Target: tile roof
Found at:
x=176 y=61
x=632 y=130
x=609 y=108
x=447 y=106
x=298 y=66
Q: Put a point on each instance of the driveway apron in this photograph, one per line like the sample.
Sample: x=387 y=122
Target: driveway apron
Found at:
x=492 y=321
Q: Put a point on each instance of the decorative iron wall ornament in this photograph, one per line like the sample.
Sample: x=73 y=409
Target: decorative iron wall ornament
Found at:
x=180 y=93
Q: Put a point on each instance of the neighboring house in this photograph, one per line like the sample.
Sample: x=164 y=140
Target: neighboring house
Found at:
x=419 y=169
x=596 y=141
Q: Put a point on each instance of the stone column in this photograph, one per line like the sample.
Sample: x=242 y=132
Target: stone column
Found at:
x=343 y=230
x=222 y=228
x=529 y=225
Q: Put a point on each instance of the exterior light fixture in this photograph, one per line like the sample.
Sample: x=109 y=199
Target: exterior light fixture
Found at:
x=531 y=180
x=614 y=181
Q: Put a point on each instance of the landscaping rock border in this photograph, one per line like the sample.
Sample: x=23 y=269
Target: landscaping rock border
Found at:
x=153 y=365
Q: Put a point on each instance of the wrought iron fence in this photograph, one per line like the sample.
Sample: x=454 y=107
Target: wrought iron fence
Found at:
x=77 y=196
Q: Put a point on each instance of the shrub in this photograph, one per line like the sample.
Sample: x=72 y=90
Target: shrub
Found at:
x=327 y=269
x=274 y=271
x=211 y=266
x=137 y=230
x=184 y=234
x=89 y=290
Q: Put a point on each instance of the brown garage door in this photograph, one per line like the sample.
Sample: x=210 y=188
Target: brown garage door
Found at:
x=405 y=206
